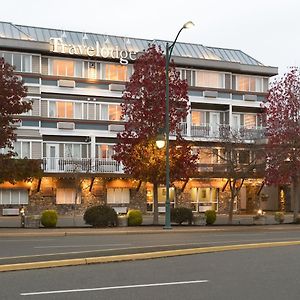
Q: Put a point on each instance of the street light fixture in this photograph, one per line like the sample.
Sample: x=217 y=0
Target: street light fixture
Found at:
x=169 y=50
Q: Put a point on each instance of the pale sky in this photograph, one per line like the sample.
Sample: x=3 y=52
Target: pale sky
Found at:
x=268 y=30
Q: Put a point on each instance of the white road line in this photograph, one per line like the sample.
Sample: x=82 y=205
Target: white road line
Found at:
x=114 y=287
x=80 y=246
x=147 y=247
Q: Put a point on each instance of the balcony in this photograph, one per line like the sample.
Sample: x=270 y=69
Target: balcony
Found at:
x=224 y=130
x=81 y=165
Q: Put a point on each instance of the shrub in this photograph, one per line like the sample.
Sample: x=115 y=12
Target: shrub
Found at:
x=134 y=217
x=279 y=217
x=211 y=217
x=181 y=214
x=101 y=216
x=49 y=218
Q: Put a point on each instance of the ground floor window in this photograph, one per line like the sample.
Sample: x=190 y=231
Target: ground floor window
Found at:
x=67 y=196
x=161 y=198
x=204 y=198
x=13 y=196
x=118 y=196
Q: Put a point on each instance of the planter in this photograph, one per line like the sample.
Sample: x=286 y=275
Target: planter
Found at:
x=122 y=221
x=199 y=219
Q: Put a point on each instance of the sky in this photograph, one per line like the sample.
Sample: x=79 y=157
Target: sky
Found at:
x=267 y=30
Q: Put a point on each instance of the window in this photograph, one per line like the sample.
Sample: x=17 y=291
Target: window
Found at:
x=198 y=117
x=204 y=198
x=64 y=109
x=62 y=67
x=249 y=83
x=244 y=156
x=67 y=196
x=105 y=151
x=22 y=149
x=118 y=196
x=13 y=196
x=188 y=75
x=115 y=112
x=115 y=72
x=72 y=150
x=249 y=121
x=104 y=112
x=209 y=79
x=77 y=110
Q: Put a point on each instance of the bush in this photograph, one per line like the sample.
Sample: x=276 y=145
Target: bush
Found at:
x=134 y=217
x=181 y=214
x=211 y=217
x=279 y=217
x=101 y=216
x=49 y=218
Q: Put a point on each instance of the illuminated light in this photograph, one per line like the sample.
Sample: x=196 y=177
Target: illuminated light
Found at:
x=188 y=25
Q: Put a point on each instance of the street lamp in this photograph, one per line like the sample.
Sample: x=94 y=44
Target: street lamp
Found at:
x=169 y=50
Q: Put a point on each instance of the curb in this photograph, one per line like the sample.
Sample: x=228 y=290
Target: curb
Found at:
x=42 y=232
x=139 y=256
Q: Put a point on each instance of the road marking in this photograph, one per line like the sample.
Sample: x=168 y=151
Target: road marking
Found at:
x=79 y=246
x=115 y=287
x=225 y=243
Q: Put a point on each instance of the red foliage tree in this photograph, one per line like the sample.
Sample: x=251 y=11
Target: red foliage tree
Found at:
x=144 y=110
x=12 y=103
x=282 y=108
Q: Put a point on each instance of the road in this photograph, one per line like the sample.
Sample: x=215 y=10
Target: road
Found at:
x=269 y=273
x=29 y=249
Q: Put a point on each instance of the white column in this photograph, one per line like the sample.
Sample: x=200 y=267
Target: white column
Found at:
x=230 y=116
x=93 y=146
x=188 y=123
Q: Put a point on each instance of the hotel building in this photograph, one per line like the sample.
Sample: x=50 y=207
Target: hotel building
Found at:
x=75 y=82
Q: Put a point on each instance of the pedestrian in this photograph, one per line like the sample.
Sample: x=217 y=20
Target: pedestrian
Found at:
x=22 y=214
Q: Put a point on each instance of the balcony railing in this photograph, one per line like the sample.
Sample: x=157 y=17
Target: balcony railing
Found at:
x=81 y=165
x=224 y=131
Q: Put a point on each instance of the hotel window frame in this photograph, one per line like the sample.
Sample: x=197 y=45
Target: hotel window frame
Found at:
x=76 y=63
x=104 y=73
x=206 y=75
x=201 y=113
x=117 y=199
x=63 y=192
x=13 y=57
x=109 y=152
x=72 y=154
x=197 y=203
x=54 y=104
x=183 y=76
x=20 y=145
x=23 y=196
x=257 y=81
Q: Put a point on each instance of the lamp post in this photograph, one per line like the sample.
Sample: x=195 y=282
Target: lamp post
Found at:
x=169 y=50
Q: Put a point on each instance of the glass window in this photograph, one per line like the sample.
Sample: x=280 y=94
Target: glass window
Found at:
x=198 y=118
x=250 y=121
x=104 y=112
x=209 y=79
x=62 y=67
x=17 y=149
x=7 y=57
x=52 y=109
x=78 y=110
x=68 y=150
x=17 y=61
x=13 y=196
x=64 y=109
x=249 y=83
x=76 y=151
x=115 y=72
x=67 y=196
x=78 y=68
x=118 y=196
x=26 y=65
x=25 y=149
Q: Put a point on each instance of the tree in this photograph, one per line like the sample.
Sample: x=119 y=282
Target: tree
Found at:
x=282 y=108
x=241 y=160
x=144 y=110
x=12 y=103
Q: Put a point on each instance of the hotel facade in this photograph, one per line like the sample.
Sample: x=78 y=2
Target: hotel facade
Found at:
x=75 y=82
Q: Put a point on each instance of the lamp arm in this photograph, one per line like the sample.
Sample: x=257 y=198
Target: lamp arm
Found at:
x=171 y=47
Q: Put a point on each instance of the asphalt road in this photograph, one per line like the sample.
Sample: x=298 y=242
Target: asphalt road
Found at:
x=28 y=249
x=270 y=273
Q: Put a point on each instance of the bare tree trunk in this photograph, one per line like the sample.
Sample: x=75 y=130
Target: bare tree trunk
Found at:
x=155 y=204
x=231 y=203
x=295 y=188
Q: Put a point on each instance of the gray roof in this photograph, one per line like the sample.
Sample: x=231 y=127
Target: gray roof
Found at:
x=22 y=32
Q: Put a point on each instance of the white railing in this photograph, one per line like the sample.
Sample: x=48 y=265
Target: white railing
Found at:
x=223 y=131
x=81 y=165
